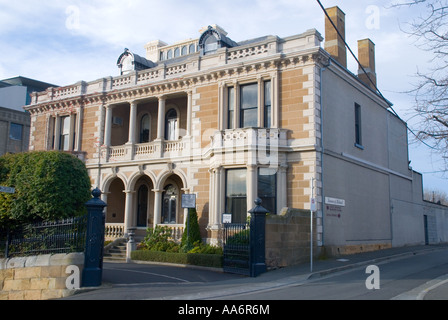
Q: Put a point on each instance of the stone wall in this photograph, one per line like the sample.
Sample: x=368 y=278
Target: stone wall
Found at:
x=288 y=238
x=41 y=277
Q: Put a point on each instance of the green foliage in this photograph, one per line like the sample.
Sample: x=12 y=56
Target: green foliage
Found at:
x=240 y=238
x=50 y=185
x=201 y=248
x=207 y=260
x=192 y=233
x=158 y=239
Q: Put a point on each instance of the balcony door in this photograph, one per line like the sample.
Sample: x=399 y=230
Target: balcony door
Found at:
x=171 y=125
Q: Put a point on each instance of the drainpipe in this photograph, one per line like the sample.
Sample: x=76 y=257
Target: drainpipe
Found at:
x=322 y=145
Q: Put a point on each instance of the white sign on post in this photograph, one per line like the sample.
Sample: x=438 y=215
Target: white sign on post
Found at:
x=313 y=206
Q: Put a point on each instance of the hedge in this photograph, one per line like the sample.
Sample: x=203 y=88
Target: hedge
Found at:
x=205 y=260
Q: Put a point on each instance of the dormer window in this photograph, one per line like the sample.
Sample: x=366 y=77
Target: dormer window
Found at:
x=213 y=39
x=128 y=62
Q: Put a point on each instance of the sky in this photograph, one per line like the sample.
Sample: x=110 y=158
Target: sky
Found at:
x=66 y=41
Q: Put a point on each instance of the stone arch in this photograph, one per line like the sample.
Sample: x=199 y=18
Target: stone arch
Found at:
x=110 y=178
x=137 y=175
x=165 y=174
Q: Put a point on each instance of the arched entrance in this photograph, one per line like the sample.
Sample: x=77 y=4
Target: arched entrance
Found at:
x=171 y=208
x=115 y=210
x=144 y=203
x=170 y=199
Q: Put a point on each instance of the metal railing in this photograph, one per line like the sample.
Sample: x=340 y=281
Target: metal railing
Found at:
x=62 y=236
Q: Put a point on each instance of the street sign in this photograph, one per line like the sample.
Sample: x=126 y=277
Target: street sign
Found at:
x=313 y=205
x=7 y=189
x=189 y=200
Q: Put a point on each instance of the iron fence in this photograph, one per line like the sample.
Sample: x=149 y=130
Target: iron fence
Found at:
x=62 y=236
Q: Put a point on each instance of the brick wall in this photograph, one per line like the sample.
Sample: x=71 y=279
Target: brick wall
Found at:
x=37 y=277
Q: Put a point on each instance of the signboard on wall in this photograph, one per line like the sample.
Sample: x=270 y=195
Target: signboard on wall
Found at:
x=335 y=201
x=226 y=218
x=189 y=200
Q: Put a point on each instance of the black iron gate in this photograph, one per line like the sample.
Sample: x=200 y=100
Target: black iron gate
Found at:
x=244 y=244
x=236 y=253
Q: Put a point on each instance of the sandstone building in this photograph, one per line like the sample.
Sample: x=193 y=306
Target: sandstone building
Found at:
x=282 y=119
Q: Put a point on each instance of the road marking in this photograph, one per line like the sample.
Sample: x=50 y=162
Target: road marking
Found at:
x=420 y=292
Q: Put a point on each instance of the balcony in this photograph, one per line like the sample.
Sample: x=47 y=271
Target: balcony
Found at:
x=153 y=150
x=247 y=138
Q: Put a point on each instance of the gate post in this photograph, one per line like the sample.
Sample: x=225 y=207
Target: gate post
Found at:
x=93 y=262
x=257 y=239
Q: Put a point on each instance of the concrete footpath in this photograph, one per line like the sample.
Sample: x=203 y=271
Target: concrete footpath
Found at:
x=270 y=280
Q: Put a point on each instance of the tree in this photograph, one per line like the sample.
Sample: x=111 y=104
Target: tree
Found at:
x=192 y=232
x=431 y=92
x=48 y=186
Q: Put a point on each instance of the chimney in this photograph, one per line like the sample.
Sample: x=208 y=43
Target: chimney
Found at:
x=334 y=45
x=366 y=57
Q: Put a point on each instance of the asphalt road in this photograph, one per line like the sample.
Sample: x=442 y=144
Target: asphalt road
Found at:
x=404 y=274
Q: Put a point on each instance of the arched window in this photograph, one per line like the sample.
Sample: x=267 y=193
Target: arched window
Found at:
x=210 y=44
x=144 y=128
x=169 y=205
x=192 y=48
x=184 y=50
x=171 y=125
x=169 y=55
x=176 y=52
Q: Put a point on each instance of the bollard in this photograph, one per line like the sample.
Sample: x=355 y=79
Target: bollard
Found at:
x=93 y=263
x=130 y=245
x=257 y=239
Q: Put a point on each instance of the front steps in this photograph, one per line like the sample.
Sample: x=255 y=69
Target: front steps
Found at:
x=115 y=251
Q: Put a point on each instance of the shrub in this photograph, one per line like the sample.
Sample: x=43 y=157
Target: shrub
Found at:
x=207 y=260
x=158 y=239
x=191 y=233
x=50 y=185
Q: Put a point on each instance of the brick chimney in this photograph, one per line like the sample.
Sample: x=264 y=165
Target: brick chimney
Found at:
x=334 y=45
x=366 y=57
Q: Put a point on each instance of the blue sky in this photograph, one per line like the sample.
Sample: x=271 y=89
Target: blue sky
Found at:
x=66 y=41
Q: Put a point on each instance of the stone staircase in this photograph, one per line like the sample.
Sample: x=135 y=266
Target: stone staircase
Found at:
x=115 y=251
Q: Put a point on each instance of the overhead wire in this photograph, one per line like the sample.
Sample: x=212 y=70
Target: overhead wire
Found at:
x=368 y=77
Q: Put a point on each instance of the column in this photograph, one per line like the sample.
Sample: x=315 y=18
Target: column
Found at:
x=161 y=118
x=157 y=206
x=260 y=109
x=219 y=194
x=251 y=183
x=71 y=135
x=128 y=221
x=282 y=191
x=108 y=126
x=132 y=122
x=57 y=132
x=79 y=118
x=189 y=112
x=275 y=101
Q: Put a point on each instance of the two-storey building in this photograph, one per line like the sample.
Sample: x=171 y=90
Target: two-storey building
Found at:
x=277 y=118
